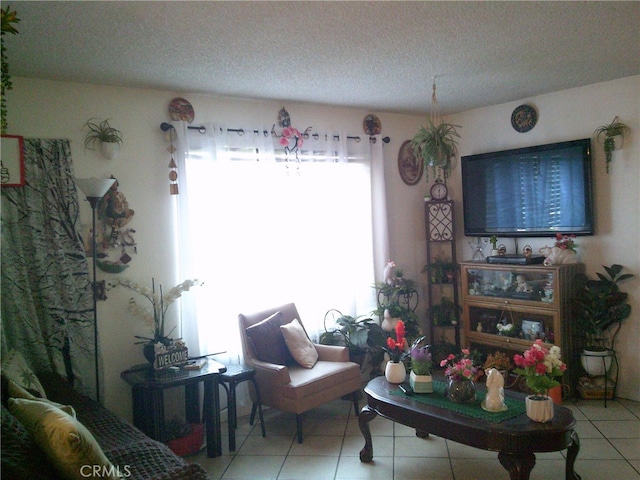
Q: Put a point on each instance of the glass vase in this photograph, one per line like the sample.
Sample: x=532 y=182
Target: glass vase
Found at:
x=461 y=391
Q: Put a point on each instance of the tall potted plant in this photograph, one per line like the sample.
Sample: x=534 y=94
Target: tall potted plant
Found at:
x=600 y=309
x=435 y=145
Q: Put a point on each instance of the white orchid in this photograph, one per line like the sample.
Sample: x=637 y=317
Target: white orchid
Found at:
x=154 y=315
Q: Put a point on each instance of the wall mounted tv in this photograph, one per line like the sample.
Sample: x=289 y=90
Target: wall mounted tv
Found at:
x=529 y=192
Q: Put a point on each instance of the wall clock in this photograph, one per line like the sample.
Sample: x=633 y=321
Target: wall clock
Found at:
x=524 y=118
x=409 y=166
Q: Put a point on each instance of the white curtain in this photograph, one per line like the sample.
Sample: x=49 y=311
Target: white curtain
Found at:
x=262 y=227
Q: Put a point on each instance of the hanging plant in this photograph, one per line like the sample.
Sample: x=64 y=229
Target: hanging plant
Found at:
x=436 y=145
x=8 y=17
x=610 y=132
x=109 y=139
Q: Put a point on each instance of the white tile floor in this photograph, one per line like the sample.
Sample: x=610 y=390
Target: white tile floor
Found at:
x=609 y=449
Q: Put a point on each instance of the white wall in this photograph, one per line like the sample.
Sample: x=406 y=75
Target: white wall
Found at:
x=47 y=109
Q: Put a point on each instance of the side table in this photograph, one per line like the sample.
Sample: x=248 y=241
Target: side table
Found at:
x=148 y=385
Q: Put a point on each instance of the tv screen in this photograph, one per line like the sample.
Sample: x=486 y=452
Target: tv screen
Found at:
x=532 y=191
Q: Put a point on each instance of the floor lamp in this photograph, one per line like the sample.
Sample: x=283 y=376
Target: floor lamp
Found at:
x=94 y=189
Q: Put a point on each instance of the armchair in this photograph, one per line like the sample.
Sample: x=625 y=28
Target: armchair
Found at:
x=287 y=385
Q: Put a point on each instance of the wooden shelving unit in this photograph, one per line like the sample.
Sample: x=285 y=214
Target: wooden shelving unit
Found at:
x=534 y=299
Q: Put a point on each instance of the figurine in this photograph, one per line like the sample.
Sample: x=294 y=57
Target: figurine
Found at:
x=522 y=285
x=558 y=256
x=494 y=401
x=389 y=273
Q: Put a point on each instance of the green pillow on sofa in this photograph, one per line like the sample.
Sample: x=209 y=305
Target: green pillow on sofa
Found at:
x=66 y=442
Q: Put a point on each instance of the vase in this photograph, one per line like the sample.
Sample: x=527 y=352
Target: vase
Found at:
x=461 y=391
x=149 y=352
x=395 y=372
x=539 y=408
x=595 y=362
x=421 y=383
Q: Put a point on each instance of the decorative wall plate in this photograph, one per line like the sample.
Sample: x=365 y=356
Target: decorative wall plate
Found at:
x=524 y=118
x=409 y=166
x=181 y=109
x=372 y=125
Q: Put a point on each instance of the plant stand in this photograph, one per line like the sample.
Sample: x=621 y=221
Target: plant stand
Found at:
x=439 y=219
x=609 y=391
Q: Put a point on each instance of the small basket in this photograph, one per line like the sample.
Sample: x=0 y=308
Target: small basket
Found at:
x=594 y=393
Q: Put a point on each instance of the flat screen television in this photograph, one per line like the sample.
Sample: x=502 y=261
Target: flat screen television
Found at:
x=529 y=192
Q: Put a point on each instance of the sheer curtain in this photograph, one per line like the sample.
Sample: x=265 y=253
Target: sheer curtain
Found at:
x=262 y=227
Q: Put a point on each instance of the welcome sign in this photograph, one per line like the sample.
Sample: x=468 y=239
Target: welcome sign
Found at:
x=171 y=357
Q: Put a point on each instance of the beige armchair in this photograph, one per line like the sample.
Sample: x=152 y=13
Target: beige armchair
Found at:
x=284 y=384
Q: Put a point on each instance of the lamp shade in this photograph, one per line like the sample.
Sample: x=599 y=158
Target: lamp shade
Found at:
x=94 y=187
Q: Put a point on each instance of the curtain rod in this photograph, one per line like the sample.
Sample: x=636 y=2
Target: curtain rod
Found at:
x=164 y=126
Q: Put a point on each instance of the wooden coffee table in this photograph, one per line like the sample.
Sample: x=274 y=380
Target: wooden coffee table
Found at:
x=515 y=439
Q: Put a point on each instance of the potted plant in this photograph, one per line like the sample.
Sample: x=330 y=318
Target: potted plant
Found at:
x=397 y=301
x=435 y=145
x=610 y=132
x=359 y=334
x=184 y=438
x=444 y=313
x=500 y=361
x=440 y=271
x=420 y=378
x=600 y=309
x=493 y=240
x=108 y=138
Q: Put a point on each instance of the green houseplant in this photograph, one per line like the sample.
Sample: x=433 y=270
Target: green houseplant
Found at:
x=610 y=132
x=444 y=313
x=600 y=308
x=436 y=145
x=359 y=334
x=108 y=138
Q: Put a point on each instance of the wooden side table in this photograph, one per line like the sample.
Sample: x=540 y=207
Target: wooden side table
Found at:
x=147 y=388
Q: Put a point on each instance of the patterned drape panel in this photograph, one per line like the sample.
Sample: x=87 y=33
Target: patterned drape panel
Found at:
x=46 y=289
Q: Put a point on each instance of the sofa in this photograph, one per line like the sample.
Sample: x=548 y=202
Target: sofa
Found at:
x=131 y=452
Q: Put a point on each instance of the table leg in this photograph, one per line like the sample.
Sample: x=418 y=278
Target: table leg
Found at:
x=572 y=454
x=366 y=415
x=192 y=402
x=518 y=466
x=212 y=417
x=148 y=411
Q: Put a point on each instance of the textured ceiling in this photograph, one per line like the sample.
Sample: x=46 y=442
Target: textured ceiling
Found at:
x=379 y=56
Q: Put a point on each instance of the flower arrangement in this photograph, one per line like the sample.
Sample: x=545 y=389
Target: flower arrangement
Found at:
x=420 y=358
x=397 y=348
x=460 y=368
x=498 y=360
x=154 y=316
x=540 y=366
x=565 y=242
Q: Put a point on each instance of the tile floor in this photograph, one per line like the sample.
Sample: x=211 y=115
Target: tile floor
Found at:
x=609 y=449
